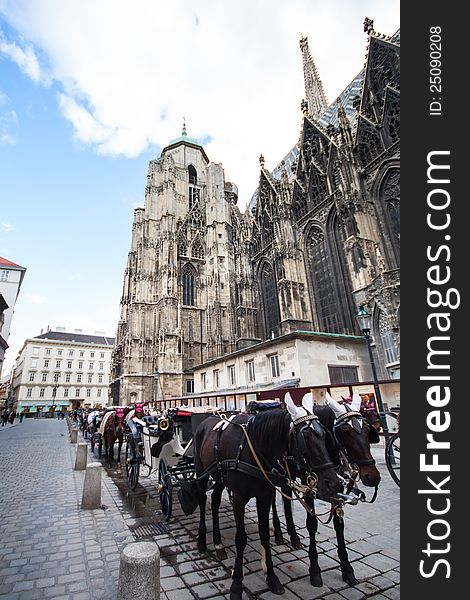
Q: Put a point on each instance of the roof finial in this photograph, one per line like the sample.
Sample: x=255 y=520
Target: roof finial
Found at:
x=369 y=26
x=314 y=93
x=261 y=161
x=184 y=127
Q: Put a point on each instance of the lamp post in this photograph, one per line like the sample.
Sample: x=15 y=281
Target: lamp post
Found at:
x=364 y=319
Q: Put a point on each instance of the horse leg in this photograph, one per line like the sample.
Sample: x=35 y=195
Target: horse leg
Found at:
x=120 y=442
x=263 y=504
x=346 y=569
x=238 y=503
x=202 y=531
x=294 y=538
x=312 y=526
x=278 y=538
x=100 y=446
x=215 y=506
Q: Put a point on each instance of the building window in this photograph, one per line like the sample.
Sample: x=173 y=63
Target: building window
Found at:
x=35 y=351
x=189 y=386
x=203 y=381
x=88 y=393
x=91 y=365
x=92 y=354
x=250 y=370
x=44 y=377
x=274 y=362
x=48 y=351
x=57 y=364
x=101 y=366
x=231 y=374
x=80 y=364
x=188 y=280
x=46 y=362
x=31 y=376
x=70 y=352
x=29 y=392
x=81 y=353
x=66 y=392
x=4 y=275
x=100 y=378
x=98 y=393
x=67 y=377
x=79 y=378
x=90 y=377
x=216 y=377
x=69 y=364
x=59 y=352
x=41 y=392
x=56 y=377
x=270 y=304
x=102 y=355
x=342 y=375
x=77 y=393
x=34 y=364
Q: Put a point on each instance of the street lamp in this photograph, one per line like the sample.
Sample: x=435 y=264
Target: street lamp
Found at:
x=364 y=319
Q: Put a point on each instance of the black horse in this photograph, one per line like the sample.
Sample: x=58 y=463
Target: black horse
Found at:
x=348 y=443
x=244 y=456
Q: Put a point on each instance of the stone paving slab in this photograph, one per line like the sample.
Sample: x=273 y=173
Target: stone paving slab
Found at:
x=50 y=548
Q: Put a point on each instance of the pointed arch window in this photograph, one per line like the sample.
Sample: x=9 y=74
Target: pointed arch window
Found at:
x=188 y=280
x=387 y=338
x=193 y=191
x=197 y=249
x=270 y=300
x=323 y=280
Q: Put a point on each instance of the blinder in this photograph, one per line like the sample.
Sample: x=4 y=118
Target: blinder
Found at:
x=313 y=422
x=374 y=437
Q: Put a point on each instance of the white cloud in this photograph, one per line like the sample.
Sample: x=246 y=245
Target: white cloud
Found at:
x=8 y=227
x=35 y=298
x=129 y=71
x=25 y=58
x=8 y=125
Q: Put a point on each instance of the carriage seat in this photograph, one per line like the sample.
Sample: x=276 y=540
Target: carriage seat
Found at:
x=150 y=419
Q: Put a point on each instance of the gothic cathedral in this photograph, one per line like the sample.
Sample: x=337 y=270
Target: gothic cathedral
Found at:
x=320 y=236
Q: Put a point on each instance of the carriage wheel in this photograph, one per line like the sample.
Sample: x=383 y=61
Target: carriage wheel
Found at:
x=132 y=463
x=165 y=489
x=392 y=457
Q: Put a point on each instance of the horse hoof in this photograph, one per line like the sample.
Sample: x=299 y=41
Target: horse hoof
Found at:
x=221 y=554
x=201 y=548
x=276 y=587
x=279 y=539
x=316 y=580
x=296 y=543
x=236 y=591
x=235 y=596
x=350 y=579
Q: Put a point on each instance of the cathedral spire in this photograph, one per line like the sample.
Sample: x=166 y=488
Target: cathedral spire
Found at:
x=314 y=93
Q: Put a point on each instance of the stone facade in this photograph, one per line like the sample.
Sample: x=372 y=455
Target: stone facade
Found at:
x=11 y=278
x=65 y=369
x=320 y=237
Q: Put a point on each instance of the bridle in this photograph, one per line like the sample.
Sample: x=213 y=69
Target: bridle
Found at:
x=356 y=420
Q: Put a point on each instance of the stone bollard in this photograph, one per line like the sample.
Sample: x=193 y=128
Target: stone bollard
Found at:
x=91 y=497
x=81 y=457
x=73 y=436
x=139 y=572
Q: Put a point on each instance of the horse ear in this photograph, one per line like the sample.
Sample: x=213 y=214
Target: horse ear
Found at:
x=307 y=402
x=356 y=402
x=294 y=411
x=336 y=407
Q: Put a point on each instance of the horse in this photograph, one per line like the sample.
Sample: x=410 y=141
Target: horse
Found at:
x=242 y=454
x=112 y=429
x=348 y=443
x=93 y=425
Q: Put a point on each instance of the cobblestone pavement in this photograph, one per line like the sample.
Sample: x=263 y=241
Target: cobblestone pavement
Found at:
x=52 y=549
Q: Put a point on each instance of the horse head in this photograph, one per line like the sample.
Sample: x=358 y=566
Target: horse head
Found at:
x=308 y=446
x=139 y=409
x=119 y=416
x=354 y=434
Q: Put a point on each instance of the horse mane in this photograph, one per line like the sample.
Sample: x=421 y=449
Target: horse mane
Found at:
x=269 y=430
x=327 y=418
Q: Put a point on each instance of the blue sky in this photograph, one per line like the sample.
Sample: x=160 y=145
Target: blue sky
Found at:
x=91 y=91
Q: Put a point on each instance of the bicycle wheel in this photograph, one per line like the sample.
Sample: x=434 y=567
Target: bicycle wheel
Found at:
x=392 y=457
x=132 y=463
x=165 y=489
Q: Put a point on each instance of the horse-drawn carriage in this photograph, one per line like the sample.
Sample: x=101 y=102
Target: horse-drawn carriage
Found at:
x=164 y=445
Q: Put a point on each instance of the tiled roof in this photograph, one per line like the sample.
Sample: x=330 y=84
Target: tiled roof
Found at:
x=4 y=262
x=62 y=336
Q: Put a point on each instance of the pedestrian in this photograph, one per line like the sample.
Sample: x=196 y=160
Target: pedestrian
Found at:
x=4 y=417
x=12 y=417
x=21 y=416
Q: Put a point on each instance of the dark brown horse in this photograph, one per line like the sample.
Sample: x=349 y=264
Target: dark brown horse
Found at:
x=114 y=430
x=244 y=456
x=348 y=442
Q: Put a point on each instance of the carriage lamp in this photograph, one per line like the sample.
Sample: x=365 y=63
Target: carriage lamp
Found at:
x=364 y=318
